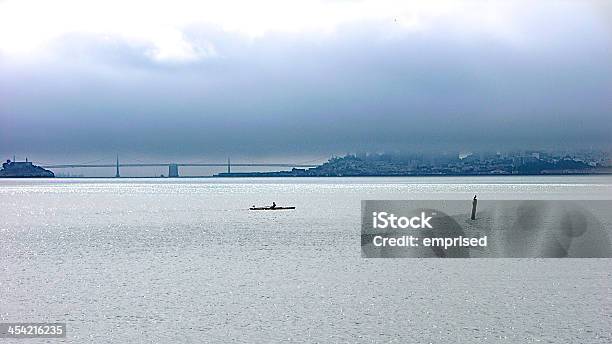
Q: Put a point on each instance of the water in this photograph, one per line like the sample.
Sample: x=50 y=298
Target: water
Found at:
x=160 y=260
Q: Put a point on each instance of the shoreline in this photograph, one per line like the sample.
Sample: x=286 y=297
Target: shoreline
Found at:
x=330 y=177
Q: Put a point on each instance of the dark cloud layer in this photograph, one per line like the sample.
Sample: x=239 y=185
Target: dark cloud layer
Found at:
x=359 y=89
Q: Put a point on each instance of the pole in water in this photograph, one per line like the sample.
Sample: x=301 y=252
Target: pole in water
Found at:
x=474 y=203
x=117 y=172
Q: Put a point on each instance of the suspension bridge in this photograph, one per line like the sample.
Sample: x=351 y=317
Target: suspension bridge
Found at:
x=173 y=168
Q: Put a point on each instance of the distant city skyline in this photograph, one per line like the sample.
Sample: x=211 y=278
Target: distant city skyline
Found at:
x=273 y=81
x=448 y=162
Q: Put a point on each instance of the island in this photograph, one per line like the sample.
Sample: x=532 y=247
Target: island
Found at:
x=23 y=169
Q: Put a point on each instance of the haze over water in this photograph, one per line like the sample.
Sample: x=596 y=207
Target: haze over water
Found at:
x=182 y=260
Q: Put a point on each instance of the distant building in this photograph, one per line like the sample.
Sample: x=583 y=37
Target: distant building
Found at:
x=24 y=169
x=464 y=155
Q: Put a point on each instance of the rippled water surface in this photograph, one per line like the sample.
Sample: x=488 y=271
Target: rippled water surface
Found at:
x=182 y=260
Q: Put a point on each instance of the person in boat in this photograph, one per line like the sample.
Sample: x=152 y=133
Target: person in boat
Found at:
x=273 y=205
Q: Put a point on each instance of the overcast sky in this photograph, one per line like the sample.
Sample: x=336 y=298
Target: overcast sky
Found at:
x=300 y=79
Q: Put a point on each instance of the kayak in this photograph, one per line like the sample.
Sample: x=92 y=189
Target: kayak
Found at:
x=269 y=208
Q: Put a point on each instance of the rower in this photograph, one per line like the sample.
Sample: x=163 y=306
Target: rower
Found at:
x=273 y=205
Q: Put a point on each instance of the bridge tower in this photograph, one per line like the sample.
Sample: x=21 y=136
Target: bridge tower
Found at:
x=117 y=175
x=173 y=171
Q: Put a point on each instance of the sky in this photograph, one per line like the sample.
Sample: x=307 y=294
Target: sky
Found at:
x=300 y=80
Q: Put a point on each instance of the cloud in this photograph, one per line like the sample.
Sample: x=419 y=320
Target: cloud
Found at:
x=29 y=26
x=323 y=77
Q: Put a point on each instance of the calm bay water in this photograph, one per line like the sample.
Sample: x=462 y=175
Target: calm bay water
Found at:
x=182 y=260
